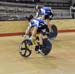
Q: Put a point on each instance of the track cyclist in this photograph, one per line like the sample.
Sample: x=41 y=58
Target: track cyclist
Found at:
x=39 y=26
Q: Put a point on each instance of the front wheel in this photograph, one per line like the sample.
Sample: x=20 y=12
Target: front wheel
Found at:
x=24 y=50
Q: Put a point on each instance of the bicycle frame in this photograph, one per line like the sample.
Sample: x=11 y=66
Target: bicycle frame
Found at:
x=34 y=43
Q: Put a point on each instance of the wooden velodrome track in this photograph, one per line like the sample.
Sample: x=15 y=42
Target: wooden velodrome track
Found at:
x=61 y=60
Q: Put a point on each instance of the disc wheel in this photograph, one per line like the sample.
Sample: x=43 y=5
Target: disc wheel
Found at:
x=48 y=46
x=54 y=31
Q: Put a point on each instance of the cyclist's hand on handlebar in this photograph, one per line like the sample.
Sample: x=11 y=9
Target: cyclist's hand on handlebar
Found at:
x=32 y=38
x=26 y=36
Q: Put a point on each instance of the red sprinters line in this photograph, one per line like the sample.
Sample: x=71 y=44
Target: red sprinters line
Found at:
x=22 y=33
x=63 y=31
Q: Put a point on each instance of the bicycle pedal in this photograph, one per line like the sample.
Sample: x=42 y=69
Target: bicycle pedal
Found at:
x=39 y=51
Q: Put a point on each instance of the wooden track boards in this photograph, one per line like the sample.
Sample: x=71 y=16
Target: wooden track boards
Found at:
x=61 y=60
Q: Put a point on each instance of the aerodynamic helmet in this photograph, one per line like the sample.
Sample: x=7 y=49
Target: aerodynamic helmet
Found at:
x=47 y=12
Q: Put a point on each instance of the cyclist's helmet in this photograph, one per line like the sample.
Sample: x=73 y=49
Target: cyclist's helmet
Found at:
x=47 y=12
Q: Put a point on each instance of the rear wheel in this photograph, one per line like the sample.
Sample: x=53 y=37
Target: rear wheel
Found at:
x=47 y=47
x=54 y=32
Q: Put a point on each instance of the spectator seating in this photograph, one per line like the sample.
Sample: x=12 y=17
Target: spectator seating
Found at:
x=18 y=11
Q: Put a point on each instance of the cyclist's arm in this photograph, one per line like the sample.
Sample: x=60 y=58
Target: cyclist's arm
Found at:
x=27 y=30
x=34 y=23
x=34 y=32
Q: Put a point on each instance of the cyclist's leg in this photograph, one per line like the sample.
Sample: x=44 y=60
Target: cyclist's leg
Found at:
x=40 y=42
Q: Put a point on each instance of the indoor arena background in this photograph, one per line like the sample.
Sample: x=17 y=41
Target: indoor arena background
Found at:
x=13 y=24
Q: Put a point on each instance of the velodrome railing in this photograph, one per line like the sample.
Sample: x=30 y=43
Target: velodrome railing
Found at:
x=18 y=11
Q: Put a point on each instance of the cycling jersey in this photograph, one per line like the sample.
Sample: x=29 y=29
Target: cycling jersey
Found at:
x=37 y=22
x=40 y=24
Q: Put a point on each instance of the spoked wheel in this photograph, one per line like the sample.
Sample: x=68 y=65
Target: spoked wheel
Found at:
x=24 y=50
